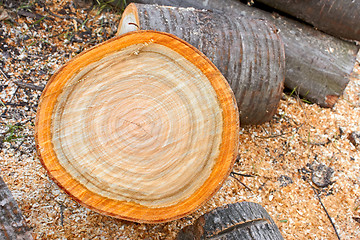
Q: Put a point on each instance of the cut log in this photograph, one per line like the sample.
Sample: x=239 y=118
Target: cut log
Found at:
x=12 y=222
x=317 y=64
x=247 y=52
x=336 y=17
x=142 y=127
x=245 y=220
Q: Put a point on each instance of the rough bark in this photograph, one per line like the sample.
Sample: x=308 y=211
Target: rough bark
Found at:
x=247 y=52
x=316 y=63
x=245 y=220
x=12 y=222
x=336 y=17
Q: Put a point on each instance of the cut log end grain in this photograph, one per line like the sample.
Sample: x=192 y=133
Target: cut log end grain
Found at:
x=142 y=127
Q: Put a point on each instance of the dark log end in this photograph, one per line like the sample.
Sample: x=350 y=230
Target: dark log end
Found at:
x=330 y=100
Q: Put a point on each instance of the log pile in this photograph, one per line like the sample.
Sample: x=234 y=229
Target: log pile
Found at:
x=248 y=52
x=317 y=65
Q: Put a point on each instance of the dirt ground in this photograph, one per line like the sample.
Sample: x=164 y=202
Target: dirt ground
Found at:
x=285 y=157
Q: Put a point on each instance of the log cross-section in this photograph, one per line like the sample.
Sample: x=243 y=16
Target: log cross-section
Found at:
x=142 y=127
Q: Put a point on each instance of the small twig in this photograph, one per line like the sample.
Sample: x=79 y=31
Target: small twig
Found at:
x=264 y=129
x=282 y=134
x=274 y=136
x=317 y=143
x=12 y=97
x=241 y=182
x=4 y=74
x=328 y=215
x=62 y=17
x=241 y=174
x=22 y=104
x=29 y=85
x=62 y=214
x=18 y=147
x=29 y=14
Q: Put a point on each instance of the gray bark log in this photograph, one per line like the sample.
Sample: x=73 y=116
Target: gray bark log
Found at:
x=12 y=222
x=247 y=52
x=336 y=17
x=243 y=220
x=316 y=63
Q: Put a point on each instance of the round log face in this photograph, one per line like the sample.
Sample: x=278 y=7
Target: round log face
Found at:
x=142 y=127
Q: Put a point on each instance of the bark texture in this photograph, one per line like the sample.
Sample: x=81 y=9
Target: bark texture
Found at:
x=247 y=52
x=12 y=222
x=245 y=220
x=336 y=17
x=316 y=63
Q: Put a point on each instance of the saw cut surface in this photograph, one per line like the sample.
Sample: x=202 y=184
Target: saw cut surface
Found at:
x=142 y=128
x=141 y=125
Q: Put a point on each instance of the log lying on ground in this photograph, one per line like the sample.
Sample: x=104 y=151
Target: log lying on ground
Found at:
x=247 y=52
x=336 y=17
x=316 y=63
x=142 y=127
x=245 y=220
x=12 y=222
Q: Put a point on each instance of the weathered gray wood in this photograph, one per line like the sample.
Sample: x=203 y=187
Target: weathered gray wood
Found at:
x=247 y=52
x=245 y=220
x=316 y=63
x=336 y=17
x=12 y=222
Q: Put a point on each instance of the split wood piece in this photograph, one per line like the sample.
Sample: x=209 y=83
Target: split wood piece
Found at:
x=317 y=64
x=12 y=222
x=142 y=127
x=336 y=17
x=245 y=220
x=248 y=52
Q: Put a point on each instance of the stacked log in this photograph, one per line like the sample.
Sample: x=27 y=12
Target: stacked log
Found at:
x=12 y=222
x=244 y=220
x=248 y=52
x=336 y=17
x=142 y=127
x=317 y=65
